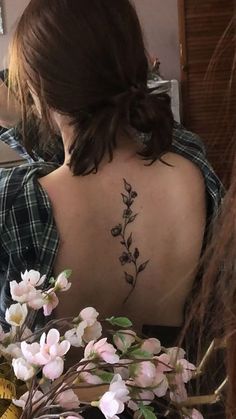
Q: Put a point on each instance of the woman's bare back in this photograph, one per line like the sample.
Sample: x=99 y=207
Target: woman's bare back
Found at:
x=167 y=231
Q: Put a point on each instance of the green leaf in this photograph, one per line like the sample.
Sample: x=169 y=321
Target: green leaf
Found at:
x=120 y=336
x=139 y=353
x=119 y=321
x=147 y=412
x=105 y=376
x=52 y=281
x=67 y=273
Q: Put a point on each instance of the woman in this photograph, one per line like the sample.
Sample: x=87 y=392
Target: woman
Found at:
x=127 y=215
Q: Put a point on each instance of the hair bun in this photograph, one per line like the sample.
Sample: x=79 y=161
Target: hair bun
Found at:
x=147 y=110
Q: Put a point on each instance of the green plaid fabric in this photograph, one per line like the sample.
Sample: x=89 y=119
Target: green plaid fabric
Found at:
x=28 y=234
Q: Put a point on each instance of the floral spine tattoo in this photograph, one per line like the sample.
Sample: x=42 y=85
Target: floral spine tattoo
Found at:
x=131 y=254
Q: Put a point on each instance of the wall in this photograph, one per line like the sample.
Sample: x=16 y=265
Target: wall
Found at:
x=160 y=24
x=159 y=19
x=12 y=10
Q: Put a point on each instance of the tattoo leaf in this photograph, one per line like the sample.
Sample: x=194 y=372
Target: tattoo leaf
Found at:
x=143 y=266
x=128 y=187
x=131 y=219
x=129 y=241
x=136 y=253
x=125 y=199
x=129 y=278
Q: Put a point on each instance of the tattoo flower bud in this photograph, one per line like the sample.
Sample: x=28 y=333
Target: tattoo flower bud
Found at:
x=116 y=231
x=134 y=194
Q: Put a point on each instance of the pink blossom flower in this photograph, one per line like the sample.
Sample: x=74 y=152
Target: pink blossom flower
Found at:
x=38 y=301
x=123 y=368
x=87 y=328
x=160 y=384
x=145 y=373
x=33 y=277
x=124 y=339
x=186 y=369
x=21 y=402
x=50 y=345
x=30 y=352
x=178 y=391
x=54 y=369
x=194 y=414
x=113 y=401
x=175 y=354
x=48 y=353
x=51 y=302
x=82 y=334
x=89 y=314
x=74 y=417
x=152 y=346
x=22 y=292
x=22 y=369
x=68 y=399
x=102 y=350
x=62 y=283
x=164 y=364
x=87 y=374
x=92 y=332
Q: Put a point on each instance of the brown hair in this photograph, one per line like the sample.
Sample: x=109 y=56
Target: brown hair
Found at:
x=87 y=60
x=212 y=313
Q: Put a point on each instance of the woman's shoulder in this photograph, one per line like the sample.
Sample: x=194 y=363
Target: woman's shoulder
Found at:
x=19 y=175
x=191 y=147
x=183 y=185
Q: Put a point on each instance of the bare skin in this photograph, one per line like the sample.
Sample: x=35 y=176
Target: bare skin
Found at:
x=168 y=231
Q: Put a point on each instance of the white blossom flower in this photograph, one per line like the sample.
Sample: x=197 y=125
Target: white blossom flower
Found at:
x=54 y=369
x=152 y=346
x=89 y=314
x=33 y=277
x=50 y=302
x=124 y=339
x=83 y=333
x=22 y=369
x=12 y=350
x=22 y=292
x=21 y=402
x=68 y=399
x=16 y=314
x=112 y=403
x=62 y=283
x=102 y=350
